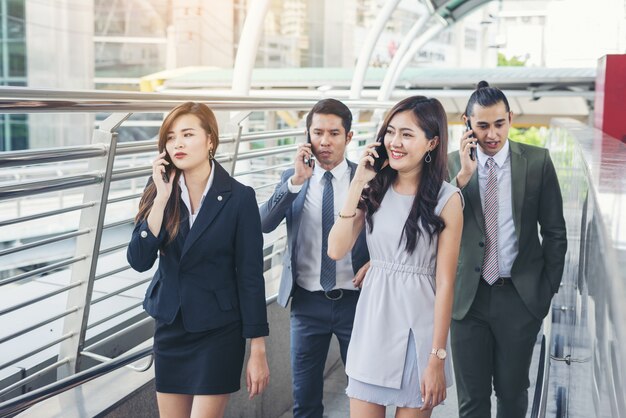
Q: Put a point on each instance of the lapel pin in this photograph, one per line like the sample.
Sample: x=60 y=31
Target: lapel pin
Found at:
x=219 y=198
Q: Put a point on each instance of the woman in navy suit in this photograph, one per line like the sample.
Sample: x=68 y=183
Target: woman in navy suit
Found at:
x=208 y=294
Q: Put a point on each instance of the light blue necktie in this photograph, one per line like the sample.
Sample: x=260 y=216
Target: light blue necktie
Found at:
x=328 y=272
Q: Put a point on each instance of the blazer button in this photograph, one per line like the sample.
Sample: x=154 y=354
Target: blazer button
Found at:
x=144 y=234
x=481 y=244
x=477 y=269
x=219 y=198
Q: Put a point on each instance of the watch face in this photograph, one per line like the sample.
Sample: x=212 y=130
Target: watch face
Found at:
x=441 y=354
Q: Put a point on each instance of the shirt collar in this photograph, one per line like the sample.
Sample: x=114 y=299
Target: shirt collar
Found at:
x=338 y=172
x=185 y=191
x=499 y=158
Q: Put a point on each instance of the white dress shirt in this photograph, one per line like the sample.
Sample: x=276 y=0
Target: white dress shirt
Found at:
x=309 y=249
x=184 y=194
x=507 y=240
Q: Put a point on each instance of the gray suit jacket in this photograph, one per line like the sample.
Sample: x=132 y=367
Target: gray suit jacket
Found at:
x=284 y=204
x=536 y=198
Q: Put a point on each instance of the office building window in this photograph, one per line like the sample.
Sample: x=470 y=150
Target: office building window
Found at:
x=471 y=39
x=13 y=128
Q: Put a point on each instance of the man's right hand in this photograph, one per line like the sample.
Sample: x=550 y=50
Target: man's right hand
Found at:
x=468 y=166
x=302 y=170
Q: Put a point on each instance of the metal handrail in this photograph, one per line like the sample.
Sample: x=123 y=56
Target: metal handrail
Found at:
x=38 y=349
x=20 y=403
x=22 y=189
x=46 y=214
x=38 y=324
x=33 y=376
x=41 y=270
x=49 y=155
x=112 y=272
x=42 y=242
x=40 y=166
x=119 y=291
x=39 y=298
x=26 y=100
x=540 y=398
x=116 y=314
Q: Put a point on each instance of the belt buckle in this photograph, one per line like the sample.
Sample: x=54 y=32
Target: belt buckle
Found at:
x=499 y=282
x=329 y=293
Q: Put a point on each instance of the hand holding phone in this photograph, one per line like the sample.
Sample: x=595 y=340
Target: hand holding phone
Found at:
x=472 y=152
x=382 y=155
x=165 y=174
x=310 y=159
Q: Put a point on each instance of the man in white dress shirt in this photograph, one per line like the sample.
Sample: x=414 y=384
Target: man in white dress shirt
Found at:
x=506 y=276
x=322 y=291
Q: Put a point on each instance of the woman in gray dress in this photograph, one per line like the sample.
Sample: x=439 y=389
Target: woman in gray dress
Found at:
x=398 y=349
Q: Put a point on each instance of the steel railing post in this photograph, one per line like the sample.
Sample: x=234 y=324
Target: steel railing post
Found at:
x=84 y=271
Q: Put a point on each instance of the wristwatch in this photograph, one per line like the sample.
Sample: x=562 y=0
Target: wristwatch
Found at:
x=440 y=353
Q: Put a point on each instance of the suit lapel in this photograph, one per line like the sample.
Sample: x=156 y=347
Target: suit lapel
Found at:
x=518 y=183
x=214 y=201
x=352 y=169
x=473 y=198
x=298 y=207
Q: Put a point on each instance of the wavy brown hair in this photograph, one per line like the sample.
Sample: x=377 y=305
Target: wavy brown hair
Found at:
x=431 y=118
x=171 y=217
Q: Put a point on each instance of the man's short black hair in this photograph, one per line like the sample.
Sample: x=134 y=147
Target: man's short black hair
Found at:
x=331 y=107
x=486 y=96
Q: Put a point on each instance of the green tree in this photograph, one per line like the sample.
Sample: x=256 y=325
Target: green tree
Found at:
x=514 y=61
x=530 y=136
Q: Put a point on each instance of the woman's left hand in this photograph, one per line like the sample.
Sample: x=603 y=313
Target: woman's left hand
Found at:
x=257 y=372
x=357 y=281
x=433 y=385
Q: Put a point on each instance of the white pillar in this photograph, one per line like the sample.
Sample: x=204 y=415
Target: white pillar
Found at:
x=430 y=33
x=368 y=47
x=387 y=87
x=248 y=45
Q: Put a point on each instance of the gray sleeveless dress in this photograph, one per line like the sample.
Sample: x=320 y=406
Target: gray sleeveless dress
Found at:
x=393 y=326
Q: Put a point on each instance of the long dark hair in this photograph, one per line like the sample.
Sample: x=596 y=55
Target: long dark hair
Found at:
x=171 y=217
x=431 y=118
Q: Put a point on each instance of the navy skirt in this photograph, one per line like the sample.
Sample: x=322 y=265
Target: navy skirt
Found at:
x=198 y=363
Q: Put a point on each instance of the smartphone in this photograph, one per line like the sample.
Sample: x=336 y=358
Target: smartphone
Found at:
x=310 y=159
x=382 y=155
x=165 y=175
x=472 y=152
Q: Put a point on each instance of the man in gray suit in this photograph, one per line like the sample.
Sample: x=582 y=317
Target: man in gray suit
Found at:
x=506 y=276
x=323 y=292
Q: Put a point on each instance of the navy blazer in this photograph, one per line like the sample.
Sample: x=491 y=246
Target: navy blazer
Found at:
x=284 y=204
x=212 y=273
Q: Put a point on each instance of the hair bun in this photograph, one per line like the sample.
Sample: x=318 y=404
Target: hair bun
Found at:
x=481 y=84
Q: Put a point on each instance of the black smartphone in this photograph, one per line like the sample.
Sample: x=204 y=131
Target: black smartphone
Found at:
x=310 y=159
x=382 y=155
x=165 y=175
x=472 y=152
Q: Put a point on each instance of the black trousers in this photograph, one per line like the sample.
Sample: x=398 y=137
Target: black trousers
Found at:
x=494 y=344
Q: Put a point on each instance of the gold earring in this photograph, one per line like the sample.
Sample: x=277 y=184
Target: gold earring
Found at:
x=211 y=154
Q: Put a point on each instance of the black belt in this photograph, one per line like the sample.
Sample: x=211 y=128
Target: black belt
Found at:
x=335 y=294
x=500 y=282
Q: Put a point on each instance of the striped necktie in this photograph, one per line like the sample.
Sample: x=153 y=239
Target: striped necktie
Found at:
x=328 y=269
x=491 y=270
